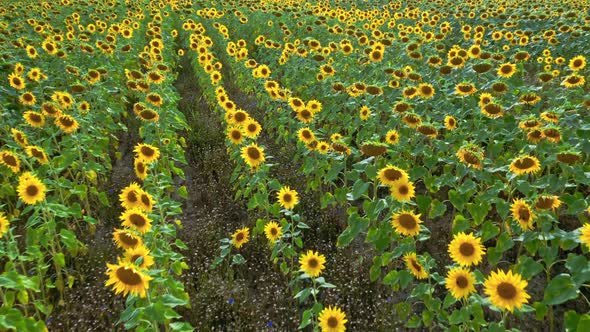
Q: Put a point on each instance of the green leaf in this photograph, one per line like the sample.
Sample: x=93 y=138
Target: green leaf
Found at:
x=479 y=210
x=458 y=200
x=528 y=267
x=238 y=260
x=306 y=318
x=437 y=209
x=183 y=192
x=173 y=301
x=359 y=188
x=560 y=289
x=489 y=231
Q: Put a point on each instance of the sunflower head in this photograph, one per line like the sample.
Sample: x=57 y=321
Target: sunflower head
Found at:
x=525 y=165
x=506 y=290
x=240 y=237
x=287 y=198
x=406 y=223
x=460 y=282
x=136 y=219
x=273 y=231
x=415 y=267
x=253 y=155
x=312 y=263
x=126 y=239
x=30 y=189
x=125 y=278
x=147 y=153
x=402 y=190
x=133 y=254
x=332 y=319
x=522 y=213
x=466 y=249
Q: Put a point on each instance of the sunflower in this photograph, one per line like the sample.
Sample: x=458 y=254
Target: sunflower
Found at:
x=365 y=113
x=305 y=115
x=389 y=175
x=466 y=249
x=16 y=81
x=314 y=106
x=402 y=190
x=573 y=81
x=312 y=263
x=414 y=266
x=273 y=231
x=10 y=160
x=37 y=153
x=392 y=137
x=585 y=232
x=522 y=213
x=125 y=239
x=240 y=237
x=252 y=128
x=235 y=134
x=287 y=198
x=126 y=279
x=140 y=169
x=27 y=99
x=240 y=117
x=577 y=63
x=34 y=119
x=450 y=122
x=130 y=196
x=465 y=89
x=149 y=115
x=535 y=136
x=67 y=123
x=154 y=99
x=529 y=98
x=322 y=147
x=133 y=254
x=406 y=223
x=460 y=282
x=525 y=164
x=506 y=70
x=306 y=135
x=31 y=52
x=426 y=90
x=547 y=202
x=411 y=119
x=30 y=189
x=550 y=116
x=332 y=319
x=137 y=220
x=146 y=202
x=296 y=104
x=4 y=224
x=506 y=290
x=253 y=155
x=146 y=153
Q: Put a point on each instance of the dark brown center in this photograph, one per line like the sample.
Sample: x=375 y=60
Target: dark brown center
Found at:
x=147 y=151
x=407 y=221
x=506 y=290
x=462 y=282
x=128 y=277
x=333 y=322
x=253 y=153
x=137 y=220
x=524 y=213
x=32 y=190
x=524 y=163
x=313 y=263
x=466 y=249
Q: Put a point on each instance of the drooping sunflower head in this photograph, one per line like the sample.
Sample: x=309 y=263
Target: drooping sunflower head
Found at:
x=273 y=231
x=389 y=175
x=332 y=319
x=466 y=249
x=373 y=148
x=460 y=282
x=522 y=213
x=67 y=123
x=126 y=279
x=30 y=189
x=10 y=160
x=140 y=169
x=415 y=267
x=506 y=290
x=547 y=202
x=312 y=263
x=471 y=155
x=125 y=239
x=240 y=237
x=147 y=153
x=465 y=89
x=406 y=223
x=525 y=165
x=19 y=137
x=136 y=219
x=253 y=155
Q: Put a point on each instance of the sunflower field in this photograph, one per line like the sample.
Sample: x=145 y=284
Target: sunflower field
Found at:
x=283 y=165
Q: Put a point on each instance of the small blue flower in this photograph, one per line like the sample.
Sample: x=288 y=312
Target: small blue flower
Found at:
x=230 y=301
x=269 y=324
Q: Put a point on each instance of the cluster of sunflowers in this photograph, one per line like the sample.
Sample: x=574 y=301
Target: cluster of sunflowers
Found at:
x=454 y=100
